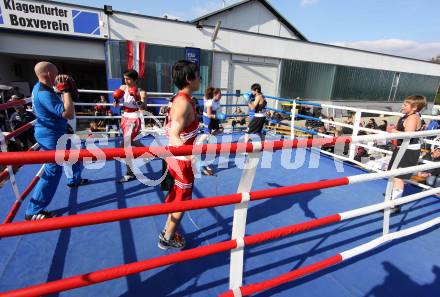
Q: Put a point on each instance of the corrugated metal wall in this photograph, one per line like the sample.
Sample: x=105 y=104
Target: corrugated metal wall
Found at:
x=358 y=83
x=306 y=80
x=333 y=82
x=411 y=84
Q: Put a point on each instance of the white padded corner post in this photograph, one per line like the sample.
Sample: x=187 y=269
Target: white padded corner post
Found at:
x=239 y=222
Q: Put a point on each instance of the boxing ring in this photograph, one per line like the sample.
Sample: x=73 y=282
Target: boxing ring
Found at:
x=323 y=221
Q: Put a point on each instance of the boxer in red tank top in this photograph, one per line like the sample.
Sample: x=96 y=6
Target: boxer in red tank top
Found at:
x=181 y=129
x=133 y=99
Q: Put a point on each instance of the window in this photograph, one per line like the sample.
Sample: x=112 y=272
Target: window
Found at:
x=158 y=65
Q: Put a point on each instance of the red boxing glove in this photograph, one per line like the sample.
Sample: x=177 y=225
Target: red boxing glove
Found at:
x=118 y=94
x=133 y=91
x=65 y=84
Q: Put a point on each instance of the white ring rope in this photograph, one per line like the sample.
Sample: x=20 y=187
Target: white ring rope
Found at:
x=391 y=203
x=258 y=146
x=388 y=237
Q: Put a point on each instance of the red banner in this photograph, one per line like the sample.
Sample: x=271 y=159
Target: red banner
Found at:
x=136 y=56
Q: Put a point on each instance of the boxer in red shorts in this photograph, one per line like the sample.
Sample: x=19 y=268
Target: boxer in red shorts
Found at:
x=181 y=129
x=133 y=99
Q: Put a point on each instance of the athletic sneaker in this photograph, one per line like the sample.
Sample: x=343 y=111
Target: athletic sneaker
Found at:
x=82 y=182
x=206 y=170
x=44 y=214
x=162 y=234
x=395 y=210
x=178 y=242
x=126 y=178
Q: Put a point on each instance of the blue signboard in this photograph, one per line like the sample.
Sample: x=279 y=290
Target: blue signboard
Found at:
x=193 y=54
x=85 y=22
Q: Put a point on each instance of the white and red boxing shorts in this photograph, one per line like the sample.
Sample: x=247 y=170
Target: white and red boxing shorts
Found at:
x=181 y=171
x=130 y=124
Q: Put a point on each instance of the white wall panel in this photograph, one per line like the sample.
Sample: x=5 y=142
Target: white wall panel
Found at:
x=252 y=17
x=240 y=58
x=256 y=59
x=284 y=31
x=220 y=71
x=156 y=31
x=48 y=46
x=245 y=74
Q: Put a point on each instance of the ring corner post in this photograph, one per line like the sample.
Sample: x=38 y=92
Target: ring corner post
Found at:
x=239 y=220
x=356 y=124
x=292 y=121
x=389 y=188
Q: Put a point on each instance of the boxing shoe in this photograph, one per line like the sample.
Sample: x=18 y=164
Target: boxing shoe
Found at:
x=177 y=242
x=126 y=178
x=82 y=182
x=43 y=214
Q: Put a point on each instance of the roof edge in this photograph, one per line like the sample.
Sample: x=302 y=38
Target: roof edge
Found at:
x=266 y=4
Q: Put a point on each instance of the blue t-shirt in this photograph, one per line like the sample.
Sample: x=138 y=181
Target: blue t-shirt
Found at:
x=48 y=109
x=433 y=125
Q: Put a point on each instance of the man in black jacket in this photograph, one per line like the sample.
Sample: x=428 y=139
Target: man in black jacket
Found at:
x=18 y=119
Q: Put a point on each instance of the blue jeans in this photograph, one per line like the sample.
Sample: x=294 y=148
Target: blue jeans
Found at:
x=433 y=181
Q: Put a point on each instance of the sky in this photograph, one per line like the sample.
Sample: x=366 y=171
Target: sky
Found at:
x=407 y=28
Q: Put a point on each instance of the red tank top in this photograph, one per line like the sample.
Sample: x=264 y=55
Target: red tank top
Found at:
x=189 y=133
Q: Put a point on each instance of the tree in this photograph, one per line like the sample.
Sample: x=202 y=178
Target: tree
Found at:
x=436 y=59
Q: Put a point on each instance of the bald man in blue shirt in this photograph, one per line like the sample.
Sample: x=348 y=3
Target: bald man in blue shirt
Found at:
x=52 y=115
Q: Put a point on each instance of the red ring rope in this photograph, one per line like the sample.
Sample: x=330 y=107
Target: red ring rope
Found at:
x=287 y=277
x=20 y=228
x=5 y=173
x=136 y=267
x=18 y=131
x=20 y=158
x=14 y=103
x=14 y=209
